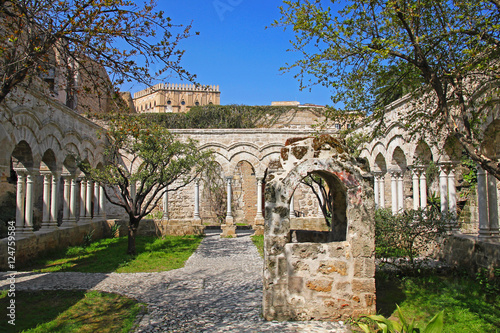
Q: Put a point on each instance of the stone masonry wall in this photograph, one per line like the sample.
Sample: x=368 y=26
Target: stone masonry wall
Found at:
x=321 y=281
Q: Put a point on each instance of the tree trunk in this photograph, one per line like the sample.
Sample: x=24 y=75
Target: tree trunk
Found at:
x=132 y=229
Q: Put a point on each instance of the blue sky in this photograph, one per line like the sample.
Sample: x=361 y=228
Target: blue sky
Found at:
x=235 y=51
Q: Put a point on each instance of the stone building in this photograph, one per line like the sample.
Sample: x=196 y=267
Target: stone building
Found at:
x=43 y=134
x=175 y=97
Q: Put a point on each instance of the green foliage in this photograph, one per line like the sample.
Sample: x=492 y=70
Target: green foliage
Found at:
x=403 y=326
x=372 y=52
x=408 y=235
x=470 y=174
x=221 y=116
x=115 y=230
x=467 y=307
x=489 y=280
x=355 y=142
x=87 y=238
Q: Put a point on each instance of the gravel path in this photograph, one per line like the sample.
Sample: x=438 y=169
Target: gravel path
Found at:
x=218 y=290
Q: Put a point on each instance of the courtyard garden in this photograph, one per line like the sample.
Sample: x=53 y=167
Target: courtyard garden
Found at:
x=92 y=311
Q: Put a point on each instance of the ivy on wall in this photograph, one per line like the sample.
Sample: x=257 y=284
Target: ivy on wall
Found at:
x=222 y=116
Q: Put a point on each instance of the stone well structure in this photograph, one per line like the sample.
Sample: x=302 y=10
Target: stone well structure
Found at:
x=313 y=274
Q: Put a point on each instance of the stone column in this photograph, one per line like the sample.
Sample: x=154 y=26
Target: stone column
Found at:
x=197 y=199
x=20 y=204
x=66 y=197
x=493 y=206
x=394 y=192
x=165 y=205
x=229 y=213
x=423 y=190
x=53 y=200
x=47 y=177
x=88 y=201
x=452 y=199
x=443 y=188
x=259 y=218
x=292 y=208
x=229 y=229
x=376 y=190
x=28 y=217
x=401 y=199
x=452 y=192
x=382 y=191
x=83 y=199
x=96 y=201
x=102 y=201
x=72 y=205
x=482 y=204
x=416 y=188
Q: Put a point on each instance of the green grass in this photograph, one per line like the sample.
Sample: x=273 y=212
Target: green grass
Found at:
x=69 y=311
x=259 y=243
x=467 y=306
x=110 y=255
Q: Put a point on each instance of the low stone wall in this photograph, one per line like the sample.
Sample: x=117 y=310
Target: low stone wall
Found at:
x=28 y=248
x=172 y=227
x=470 y=253
x=308 y=223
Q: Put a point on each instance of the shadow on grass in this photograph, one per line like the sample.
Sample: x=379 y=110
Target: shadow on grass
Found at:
x=33 y=308
x=468 y=307
x=110 y=255
x=389 y=293
x=70 y=311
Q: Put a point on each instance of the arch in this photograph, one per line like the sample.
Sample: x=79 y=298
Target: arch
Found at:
x=491 y=143
x=380 y=164
x=422 y=154
x=399 y=159
x=451 y=150
x=244 y=192
x=22 y=156
x=49 y=161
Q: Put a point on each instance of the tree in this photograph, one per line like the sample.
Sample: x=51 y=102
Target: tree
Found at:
x=214 y=190
x=323 y=193
x=120 y=36
x=143 y=161
x=371 y=51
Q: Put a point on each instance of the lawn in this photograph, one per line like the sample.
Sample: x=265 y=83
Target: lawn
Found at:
x=259 y=243
x=110 y=255
x=468 y=306
x=69 y=311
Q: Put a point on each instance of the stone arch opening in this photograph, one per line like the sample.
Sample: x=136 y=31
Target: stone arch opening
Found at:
x=244 y=193
x=22 y=156
x=214 y=194
x=399 y=159
x=330 y=196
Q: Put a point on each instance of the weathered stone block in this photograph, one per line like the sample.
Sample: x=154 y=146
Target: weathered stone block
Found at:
x=320 y=285
x=333 y=266
x=363 y=285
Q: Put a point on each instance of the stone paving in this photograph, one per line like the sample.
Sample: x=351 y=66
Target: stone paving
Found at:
x=218 y=290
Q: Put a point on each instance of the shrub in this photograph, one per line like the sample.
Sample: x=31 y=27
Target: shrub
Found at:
x=408 y=235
